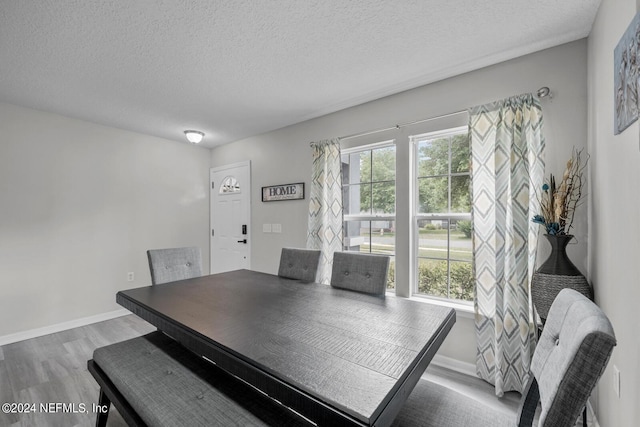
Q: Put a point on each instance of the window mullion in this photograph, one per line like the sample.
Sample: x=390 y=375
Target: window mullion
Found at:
x=449 y=222
x=448 y=259
x=449 y=175
x=370 y=189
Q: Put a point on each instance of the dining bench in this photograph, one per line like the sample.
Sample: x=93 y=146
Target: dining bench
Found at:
x=153 y=380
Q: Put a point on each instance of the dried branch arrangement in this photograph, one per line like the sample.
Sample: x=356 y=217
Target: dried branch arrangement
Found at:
x=558 y=201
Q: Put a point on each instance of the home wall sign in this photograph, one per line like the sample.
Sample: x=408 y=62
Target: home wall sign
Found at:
x=276 y=193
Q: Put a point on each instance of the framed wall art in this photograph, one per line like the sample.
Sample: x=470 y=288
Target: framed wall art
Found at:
x=275 y=193
x=626 y=58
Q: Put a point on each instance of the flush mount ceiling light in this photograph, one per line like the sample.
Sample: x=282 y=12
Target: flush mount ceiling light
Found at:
x=194 y=136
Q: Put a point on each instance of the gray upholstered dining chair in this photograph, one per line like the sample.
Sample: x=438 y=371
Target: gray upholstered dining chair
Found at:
x=571 y=355
x=301 y=264
x=169 y=265
x=359 y=272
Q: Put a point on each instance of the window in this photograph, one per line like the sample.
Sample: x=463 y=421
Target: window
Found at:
x=369 y=200
x=442 y=229
x=229 y=185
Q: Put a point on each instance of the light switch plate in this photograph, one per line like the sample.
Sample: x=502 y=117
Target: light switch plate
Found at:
x=276 y=228
x=266 y=228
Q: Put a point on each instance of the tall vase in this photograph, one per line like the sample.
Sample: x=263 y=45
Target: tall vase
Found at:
x=555 y=274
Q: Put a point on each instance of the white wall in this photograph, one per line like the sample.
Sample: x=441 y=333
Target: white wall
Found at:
x=614 y=218
x=80 y=205
x=284 y=156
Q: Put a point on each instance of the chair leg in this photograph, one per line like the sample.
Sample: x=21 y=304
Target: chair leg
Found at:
x=584 y=417
x=528 y=403
x=104 y=402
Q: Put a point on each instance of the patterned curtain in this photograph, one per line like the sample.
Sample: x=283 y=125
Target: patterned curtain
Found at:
x=325 y=205
x=507 y=148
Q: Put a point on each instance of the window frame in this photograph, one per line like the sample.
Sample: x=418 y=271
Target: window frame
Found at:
x=414 y=141
x=371 y=217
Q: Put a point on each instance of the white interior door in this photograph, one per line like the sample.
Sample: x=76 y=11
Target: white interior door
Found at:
x=230 y=217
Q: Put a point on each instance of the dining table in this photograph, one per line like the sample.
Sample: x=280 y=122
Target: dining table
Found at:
x=337 y=357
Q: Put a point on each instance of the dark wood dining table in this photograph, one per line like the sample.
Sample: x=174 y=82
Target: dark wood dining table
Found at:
x=335 y=356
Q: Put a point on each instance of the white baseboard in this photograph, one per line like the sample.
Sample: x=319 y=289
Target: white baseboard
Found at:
x=59 y=327
x=454 y=365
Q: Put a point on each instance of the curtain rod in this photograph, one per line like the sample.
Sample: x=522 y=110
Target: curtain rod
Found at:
x=398 y=126
x=543 y=92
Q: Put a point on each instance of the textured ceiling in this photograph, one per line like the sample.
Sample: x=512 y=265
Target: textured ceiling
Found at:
x=236 y=68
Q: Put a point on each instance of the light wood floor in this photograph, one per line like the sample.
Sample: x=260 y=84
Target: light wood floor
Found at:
x=53 y=369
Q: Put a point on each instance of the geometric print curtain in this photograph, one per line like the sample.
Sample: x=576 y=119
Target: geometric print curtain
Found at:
x=325 y=205
x=507 y=147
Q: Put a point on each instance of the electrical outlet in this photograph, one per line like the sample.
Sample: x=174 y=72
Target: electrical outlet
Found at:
x=130 y=276
x=616 y=380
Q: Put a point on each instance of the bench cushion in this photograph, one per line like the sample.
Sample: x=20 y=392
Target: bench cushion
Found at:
x=168 y=385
